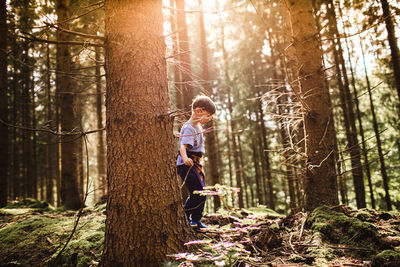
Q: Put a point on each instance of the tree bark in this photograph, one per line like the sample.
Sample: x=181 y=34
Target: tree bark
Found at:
x=101 y=163
x=145 y=219
x=348 y=110
x=3 y=106
x=394 y=49
x=269 y=193
x=69 y=146
x=385 y=177
x=257 y=171
x=320 y=176
x=358 y=112
x=175 y=52
x=184 y=56
x=49 y=139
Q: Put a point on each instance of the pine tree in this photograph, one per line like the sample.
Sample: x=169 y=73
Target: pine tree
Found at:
x=145 y=219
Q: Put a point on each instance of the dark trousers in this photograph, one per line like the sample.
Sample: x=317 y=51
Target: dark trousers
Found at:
x=194 y=204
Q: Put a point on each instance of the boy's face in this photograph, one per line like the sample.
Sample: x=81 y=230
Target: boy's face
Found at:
x=203 y=115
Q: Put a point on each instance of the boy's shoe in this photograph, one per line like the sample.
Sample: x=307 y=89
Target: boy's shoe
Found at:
x=200 y=225
x=193 y=223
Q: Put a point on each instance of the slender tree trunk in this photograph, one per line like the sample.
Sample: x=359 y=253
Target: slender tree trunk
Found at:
x=243 y=174
x=15 y=120
x=80 y=144
x=210 y=137
x=230 y=160
x=385 y=177
x=394 y=49
x=184 y=55
x=101 y=163
x=49 y=139
x=3 y=106
x=69 y=147
x=360 y=125
x=348 y=110
x=236 y=163
x=320 y=181
x=175 y=51
x=267 y=169
x=145 y=219
x=257 y=171
x=34 y=144
x=26 y=122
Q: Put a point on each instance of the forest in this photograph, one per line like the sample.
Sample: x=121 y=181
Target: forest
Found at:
x=302 y=157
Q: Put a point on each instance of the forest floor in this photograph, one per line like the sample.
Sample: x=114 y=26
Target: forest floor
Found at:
x=33 y=234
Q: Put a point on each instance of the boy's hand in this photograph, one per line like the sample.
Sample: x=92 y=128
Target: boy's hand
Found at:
x=188 y=161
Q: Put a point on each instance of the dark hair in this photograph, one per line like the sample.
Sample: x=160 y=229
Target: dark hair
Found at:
x=205 y=103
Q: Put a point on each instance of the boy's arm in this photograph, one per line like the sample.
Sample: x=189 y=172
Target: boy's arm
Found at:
x=188 y=161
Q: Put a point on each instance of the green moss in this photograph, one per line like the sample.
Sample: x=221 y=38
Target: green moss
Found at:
x=387 y=258
x=263 y=212
x=338 y=228
x=363 y=215
x=36 y=241
x=30 y=203
x=322 y=255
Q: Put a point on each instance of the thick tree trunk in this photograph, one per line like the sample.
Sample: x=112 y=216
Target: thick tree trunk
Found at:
x=69 y=147
x=184 y=56
x=101 y=153
x=394 y=49
x=145 y=219
x=320 y=176
x=3 y=106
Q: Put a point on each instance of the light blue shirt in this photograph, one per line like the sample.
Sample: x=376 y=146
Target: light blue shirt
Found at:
x=192 y=136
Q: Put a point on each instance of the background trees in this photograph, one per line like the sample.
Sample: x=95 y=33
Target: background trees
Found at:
x=248 y=51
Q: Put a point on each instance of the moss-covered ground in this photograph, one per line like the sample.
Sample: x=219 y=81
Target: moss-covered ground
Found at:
x=32 y=233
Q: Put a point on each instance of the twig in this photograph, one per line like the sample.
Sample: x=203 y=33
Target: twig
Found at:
x=71 y=133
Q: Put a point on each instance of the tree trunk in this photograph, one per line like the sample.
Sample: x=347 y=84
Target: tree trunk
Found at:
x=184 y=56
x=175 y=52
x=385 y=177
x=230 y=168
x=360 y=125
x=243 y=174
x=69 y=147
x=49 y=139
x=394 y=49
x=269 y=193
x=3 y=106
x=210 y=137
x=348 y=110
x=257 y=171
x=320 y=177
x=145 y=219
x=101 y=163
x=34 y=144
x=26 y=121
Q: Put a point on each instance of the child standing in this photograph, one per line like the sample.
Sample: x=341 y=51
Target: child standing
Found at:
x=191 y=149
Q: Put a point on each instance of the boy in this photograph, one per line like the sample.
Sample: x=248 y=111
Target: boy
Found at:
x=191 y=149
